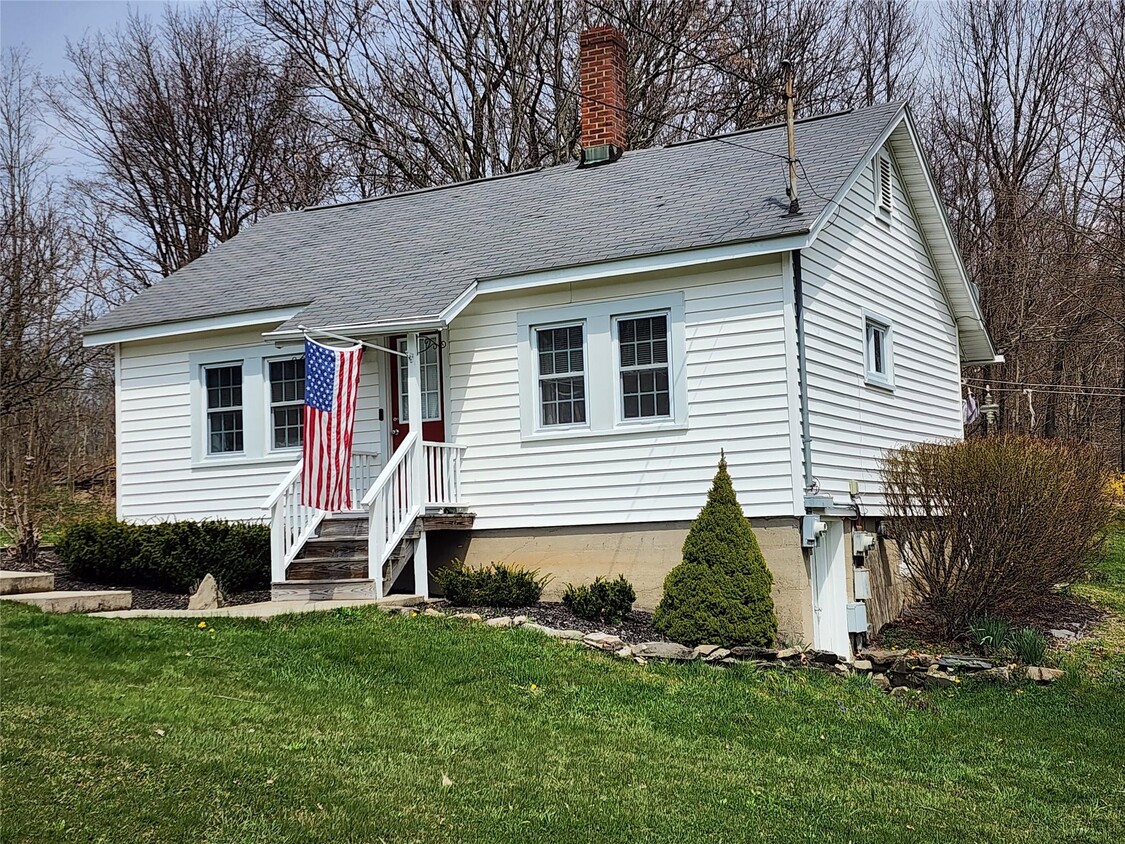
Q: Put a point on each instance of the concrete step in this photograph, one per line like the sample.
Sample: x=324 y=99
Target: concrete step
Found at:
x=64 y=602
x=323 y=590
x=24 y=582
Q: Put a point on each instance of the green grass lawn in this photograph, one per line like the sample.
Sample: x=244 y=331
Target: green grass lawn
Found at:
x=359 y=727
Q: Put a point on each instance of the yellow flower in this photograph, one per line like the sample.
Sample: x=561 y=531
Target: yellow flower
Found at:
x=201 y=625
x=211 y=630
x=534 y=687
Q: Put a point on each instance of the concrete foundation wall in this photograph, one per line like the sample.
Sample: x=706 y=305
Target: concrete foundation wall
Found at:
x=643 y=553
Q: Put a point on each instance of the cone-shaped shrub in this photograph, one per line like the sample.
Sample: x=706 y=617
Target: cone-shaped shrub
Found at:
x=720 y=593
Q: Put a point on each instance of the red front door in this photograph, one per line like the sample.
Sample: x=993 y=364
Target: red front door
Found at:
x=433 y=393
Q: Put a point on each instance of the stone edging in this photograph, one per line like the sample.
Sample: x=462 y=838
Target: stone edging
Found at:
x=894 y=671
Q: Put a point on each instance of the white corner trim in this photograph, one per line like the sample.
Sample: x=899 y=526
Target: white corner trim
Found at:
x=191 y=326
x=793 y=382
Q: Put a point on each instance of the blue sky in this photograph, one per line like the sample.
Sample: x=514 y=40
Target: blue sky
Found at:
x=43 y=26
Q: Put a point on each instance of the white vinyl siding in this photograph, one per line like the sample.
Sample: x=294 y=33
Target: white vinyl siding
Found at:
x=736 y=397
x=157 y=477
x=859 y=268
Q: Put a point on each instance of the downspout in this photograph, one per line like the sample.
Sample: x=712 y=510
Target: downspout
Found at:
x=802 y=371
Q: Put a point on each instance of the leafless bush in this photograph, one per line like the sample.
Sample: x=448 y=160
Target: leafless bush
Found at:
x=990 y=526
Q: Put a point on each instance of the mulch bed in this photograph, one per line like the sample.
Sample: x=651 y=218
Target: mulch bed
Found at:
x=143 y=599
x=635 y=628
x=1057 y=612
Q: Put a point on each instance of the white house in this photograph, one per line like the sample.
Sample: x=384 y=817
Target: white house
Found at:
x=579 y=342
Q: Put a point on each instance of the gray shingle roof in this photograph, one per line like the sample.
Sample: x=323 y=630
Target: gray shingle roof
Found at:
x=408 y=256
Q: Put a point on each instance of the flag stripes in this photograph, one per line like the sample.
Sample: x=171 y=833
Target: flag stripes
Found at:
x=331 y=389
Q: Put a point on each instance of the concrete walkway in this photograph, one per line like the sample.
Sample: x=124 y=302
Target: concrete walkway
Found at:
x=269 y=609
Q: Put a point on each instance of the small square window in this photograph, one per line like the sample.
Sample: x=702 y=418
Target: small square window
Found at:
x=877 y=352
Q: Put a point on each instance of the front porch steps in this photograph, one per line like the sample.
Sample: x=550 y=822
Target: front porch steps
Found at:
x=333 y=565
x=38 y=590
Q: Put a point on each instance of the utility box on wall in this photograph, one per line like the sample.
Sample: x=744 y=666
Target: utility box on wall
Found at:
x=857 y=617
x=861 y=584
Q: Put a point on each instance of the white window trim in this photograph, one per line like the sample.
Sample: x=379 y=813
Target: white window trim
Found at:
x=267 y=398
x=537 y=410
x=622 y=421
x=256 y=433
x=883 y=211
x=885 y=381
x=604 y=417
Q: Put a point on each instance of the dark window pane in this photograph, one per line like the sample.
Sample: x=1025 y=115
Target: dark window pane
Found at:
x=632 y=407
x=662 y=404
x=648 y=404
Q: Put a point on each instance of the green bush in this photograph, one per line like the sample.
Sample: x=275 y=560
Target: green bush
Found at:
x=603 y=600
x=172 y=556
x=989 y=633
x=720 y=593
x=1029 y=645
x=496 y=585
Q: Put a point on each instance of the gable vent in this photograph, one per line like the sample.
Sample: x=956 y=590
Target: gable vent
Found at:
x=883 y=192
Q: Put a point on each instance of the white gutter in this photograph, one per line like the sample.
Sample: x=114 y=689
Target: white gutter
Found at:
x=191 y=326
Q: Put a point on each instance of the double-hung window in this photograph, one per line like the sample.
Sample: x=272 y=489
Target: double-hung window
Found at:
x=287 y=401
x=561 y=376
x=224 y=409
x=642 y=356
x=877 y=352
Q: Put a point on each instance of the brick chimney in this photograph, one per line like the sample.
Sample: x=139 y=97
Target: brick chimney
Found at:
x=601 y=72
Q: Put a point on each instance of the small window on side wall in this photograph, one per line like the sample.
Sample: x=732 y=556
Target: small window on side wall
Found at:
x=884 y=193
x=287 y=402
x=877 y=342
x=642 y=345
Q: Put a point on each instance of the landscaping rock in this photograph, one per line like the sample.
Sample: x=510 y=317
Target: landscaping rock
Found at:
x=625 y=653
x=603 y=641
x=570 y=635
x=207 y=596
x=717 y=655
x=702 y=651
x=883 y=658
x=664 y=650
x=899 y=691
x=1063 y=635
x=430 y=611
x=468 y=616
x=862 y=665
x=518 y=620
x=966 y=663
x=999 y=674
x=880 y=681
x=787 y=654
x=502 y=621
x=823 y=657
x=540 y=628
x=1043 y=675
x=750 y=652
x=936 y=678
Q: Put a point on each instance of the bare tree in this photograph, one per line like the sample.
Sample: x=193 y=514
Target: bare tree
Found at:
x=194 y=133
x=48 y=289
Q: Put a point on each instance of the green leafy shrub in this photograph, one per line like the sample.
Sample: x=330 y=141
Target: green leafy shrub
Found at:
x=495 y=585
x=603 y=600
x=989 y=633
x=720 y=593
x=1029 y=645
x=172 y=556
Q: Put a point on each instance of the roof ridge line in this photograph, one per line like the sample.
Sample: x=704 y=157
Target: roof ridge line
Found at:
x=416 y=191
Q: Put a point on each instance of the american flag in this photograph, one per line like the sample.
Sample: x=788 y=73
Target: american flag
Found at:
x=331 y=385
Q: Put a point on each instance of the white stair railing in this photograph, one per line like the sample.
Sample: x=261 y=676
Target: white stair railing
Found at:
x=443 y=474
x=392 y=504
x=291 y=522
x=365 y=471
